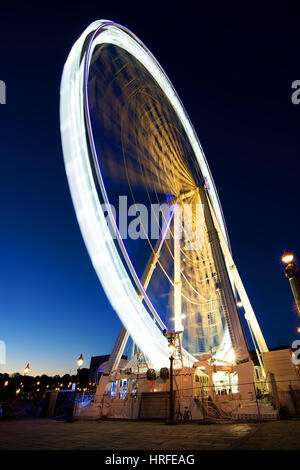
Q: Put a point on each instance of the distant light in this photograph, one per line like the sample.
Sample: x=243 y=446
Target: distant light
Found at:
x=183 y=316
x=27 y=369
x=18 y=391
x=287 y=258
x=298 y=329
x=80 y=361
x=239 y=303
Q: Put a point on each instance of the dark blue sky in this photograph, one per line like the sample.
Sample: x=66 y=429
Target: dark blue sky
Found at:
x=233 y=71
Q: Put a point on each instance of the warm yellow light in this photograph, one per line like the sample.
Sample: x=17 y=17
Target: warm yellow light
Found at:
x=298 y=329
x=80 y=360
x=287 y=258
x=26 y=370
x=18 y=391
x=38 y=383
x=172 y=349
x=5 y=383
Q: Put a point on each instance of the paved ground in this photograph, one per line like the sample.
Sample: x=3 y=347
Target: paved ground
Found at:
x=124 y=435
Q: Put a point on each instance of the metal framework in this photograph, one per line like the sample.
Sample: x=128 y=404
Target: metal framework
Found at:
x=203 y=280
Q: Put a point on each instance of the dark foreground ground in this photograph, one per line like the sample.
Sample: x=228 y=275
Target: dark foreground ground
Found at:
x=124 y=435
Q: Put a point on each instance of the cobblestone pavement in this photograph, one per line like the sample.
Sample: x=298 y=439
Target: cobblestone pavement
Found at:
x=125 y=435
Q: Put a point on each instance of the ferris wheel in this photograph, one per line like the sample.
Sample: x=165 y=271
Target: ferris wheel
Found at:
x=130 y=150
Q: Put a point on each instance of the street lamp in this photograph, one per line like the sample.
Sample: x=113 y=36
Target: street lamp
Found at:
x=291 y=271
x=287 y=258
x=80 y=361
x=172 y=350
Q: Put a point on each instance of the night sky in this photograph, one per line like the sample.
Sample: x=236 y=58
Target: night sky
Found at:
x=233 y=70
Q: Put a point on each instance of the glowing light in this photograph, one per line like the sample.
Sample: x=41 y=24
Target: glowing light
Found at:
x=6 y=383
x=172 y=349
x=80 y=361
x=26 y=370
x=287 y=258
x=18 y=391
x=239 y=304
x=298 y=329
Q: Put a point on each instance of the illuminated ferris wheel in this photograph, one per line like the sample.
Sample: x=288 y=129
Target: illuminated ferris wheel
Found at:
x=146 y=202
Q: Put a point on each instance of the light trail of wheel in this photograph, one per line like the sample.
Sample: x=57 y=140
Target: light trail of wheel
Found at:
x=168 y=168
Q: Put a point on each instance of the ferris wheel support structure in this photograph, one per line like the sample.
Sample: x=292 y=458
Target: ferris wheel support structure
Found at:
x=177 y=269
x=224 y=286
x=253 y=325
x=123 y=335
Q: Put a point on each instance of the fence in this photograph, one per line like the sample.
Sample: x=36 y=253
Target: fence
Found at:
x=266 y=400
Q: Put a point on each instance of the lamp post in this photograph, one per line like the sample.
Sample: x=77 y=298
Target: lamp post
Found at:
x=172 y=350
x=80 y=361
x=291 y=271
x=26 y=373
